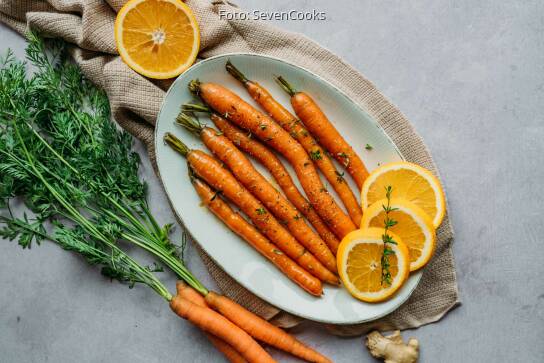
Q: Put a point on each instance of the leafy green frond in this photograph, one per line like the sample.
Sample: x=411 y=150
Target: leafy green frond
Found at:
x=74 y=169
x=24 y=230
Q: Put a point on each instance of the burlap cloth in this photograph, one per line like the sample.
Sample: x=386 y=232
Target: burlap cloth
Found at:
x=135 y=102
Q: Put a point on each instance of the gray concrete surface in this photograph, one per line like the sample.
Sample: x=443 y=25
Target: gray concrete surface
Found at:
x=470 y=76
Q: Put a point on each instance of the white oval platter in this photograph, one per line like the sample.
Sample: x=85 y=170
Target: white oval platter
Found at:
x=234 y=256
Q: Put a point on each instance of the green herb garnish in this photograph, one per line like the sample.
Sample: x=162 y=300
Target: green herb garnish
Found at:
x=387 y=239
x=345 y=158
x=316 y=155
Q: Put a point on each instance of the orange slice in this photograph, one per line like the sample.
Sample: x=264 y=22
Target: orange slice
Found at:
x=409 y=181
x=157 y=38
x=414 y=227
x=359 y=264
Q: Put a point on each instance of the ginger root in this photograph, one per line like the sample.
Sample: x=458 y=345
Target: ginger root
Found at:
x=391 y=348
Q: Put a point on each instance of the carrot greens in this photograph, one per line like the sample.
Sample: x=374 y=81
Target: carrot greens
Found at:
x=74 y=171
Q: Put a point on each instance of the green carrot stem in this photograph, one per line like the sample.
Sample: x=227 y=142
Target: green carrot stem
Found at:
x=176 y=144
x=193 y=107
x=190 y=123
x=236 y=73
x=286 y=86
x=174 y=264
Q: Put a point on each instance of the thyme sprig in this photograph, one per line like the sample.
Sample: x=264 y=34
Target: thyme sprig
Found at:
x=387 y=238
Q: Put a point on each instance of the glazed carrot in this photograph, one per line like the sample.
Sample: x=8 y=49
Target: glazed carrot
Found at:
x=250 y=178
x=261 y=329
x=244 y=115
x=219 y=178
x=188 y=293
x=271 y=162
x=218 y=325
x=292 y=125
x=252 y=236
x=315 y=120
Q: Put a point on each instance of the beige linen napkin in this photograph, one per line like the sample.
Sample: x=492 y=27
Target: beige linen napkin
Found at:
x=135 y=102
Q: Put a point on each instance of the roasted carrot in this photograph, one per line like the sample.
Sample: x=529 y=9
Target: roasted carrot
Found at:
x=219 y=178
x=271 y=162
x=292 y=125
x=218 y=325
x=187 y=292
x=252 y=236
x=319 y=125
x=261 y=188
x=261 y=329
x=238 y=111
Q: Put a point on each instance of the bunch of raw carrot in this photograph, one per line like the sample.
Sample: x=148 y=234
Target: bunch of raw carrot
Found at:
x=233 y=330
x=77 y=179
x=279 y=231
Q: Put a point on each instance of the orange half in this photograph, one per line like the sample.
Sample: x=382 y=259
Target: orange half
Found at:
x=157 y=38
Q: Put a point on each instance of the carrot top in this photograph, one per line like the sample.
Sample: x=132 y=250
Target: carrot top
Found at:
x=195 y=107
x=80 y=182
x=194 y=87
x=192 y=124
x=176 y=144
x=287 y=87
x=236 y=73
